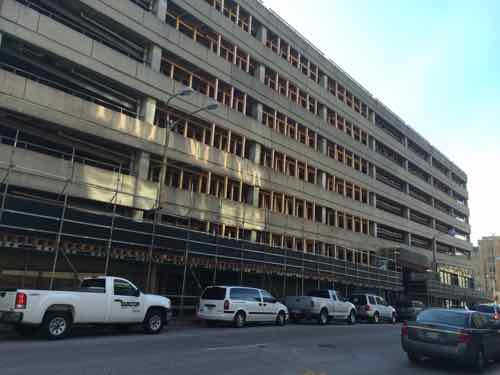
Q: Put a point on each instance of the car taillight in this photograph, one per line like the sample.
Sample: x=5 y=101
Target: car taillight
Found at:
x=496 y=316
x=404 y=329
x=367 y=307
x=21 y=301
x=226 y=305
x=464 y=338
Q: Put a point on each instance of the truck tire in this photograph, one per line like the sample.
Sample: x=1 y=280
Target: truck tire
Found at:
x=26 y=330
x=351 y=318
x=154 y=321
x=56 y=325
x=323 y=317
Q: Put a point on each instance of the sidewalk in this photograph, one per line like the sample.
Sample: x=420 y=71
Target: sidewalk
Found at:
x=7 y=330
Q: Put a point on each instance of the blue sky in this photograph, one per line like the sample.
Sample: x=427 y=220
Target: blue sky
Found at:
x=435 y=63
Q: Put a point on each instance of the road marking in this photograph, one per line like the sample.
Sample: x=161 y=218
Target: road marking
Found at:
x=237 y=347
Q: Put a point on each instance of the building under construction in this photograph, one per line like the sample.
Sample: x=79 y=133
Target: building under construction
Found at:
x=181 y=143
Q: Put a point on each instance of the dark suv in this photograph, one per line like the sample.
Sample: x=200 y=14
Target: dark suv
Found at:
x=491 y=309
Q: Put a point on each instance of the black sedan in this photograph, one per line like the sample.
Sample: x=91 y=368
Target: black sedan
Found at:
x=468 y=337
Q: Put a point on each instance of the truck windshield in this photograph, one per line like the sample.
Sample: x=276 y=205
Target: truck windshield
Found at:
x=93 y=284
x=319 y=294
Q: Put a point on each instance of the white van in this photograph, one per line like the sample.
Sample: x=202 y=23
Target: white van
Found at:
x=240 y=305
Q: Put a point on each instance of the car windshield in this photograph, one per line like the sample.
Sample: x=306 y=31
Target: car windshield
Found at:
x=358 y=299
x=214 y=293
x=451 y=318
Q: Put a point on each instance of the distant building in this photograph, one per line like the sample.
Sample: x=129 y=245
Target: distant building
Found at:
x=489 y=263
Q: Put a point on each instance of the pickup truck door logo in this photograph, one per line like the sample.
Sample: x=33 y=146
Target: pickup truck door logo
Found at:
x=126 y=304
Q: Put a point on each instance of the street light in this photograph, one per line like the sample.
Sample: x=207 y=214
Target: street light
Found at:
x=163 y=171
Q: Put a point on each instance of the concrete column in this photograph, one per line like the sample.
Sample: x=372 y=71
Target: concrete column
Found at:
x=323 y=179
x=373 y=199
x=405 y=164
x=258 y=111
x=148 y=109
x=253 y=236
x=324 y=81
x=255 y=150
x=253 y=196
x=260 y=72
x=324 y=113
x=373 y=171
x=153 y=57
x=160 y=9
x=324 y=146
x=140 y=168
x=0 y=39
x=406 y=213
x=323 y=215
x=408 y=239
x=262 y=34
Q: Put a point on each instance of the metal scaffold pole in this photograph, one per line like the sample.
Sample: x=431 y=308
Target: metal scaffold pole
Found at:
x=58 y=249
x=114 y=200
x=5 y=180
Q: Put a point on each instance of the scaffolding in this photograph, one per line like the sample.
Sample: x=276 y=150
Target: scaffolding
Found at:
x=56 y=223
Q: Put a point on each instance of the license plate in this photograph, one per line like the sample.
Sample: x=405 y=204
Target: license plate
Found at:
x=431 y=335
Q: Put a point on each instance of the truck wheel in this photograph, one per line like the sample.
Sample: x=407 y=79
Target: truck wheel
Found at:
x=281 y=319
x=323 y=317
x=351 y=319
x=154 y=321
x=239 y=319
x=26 y=330
x=56 y=325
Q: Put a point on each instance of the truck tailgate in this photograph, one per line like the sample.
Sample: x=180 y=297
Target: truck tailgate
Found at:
x=298 y=302
x=7 y=300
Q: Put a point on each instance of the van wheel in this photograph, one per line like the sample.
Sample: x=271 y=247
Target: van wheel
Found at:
x=323 y=317
x=376 y=318
x=56 y=325
x=26 y=330
x=154 y=321
x=351 y=319
x=239 y=319
x=281 y=319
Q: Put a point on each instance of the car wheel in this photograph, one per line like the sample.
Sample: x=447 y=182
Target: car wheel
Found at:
x=56 y=325
x=323 y=317
x=281 y=319
x=413 y=358
x=393 y=318
x=351 y=319
x=376 y=318
x=26 y=330
x=479 y=362
x=239 y=319
x=153 y=322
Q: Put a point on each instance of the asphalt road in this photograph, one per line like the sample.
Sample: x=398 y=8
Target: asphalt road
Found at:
x=292 y=350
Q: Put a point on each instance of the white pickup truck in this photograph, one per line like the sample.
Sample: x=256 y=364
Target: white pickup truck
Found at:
x=101 y=300
x=322 y=305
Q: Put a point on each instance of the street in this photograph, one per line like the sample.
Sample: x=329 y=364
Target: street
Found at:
x=294 y=349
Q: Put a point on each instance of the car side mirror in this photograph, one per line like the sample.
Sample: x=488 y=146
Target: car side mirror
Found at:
x=137 y=293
